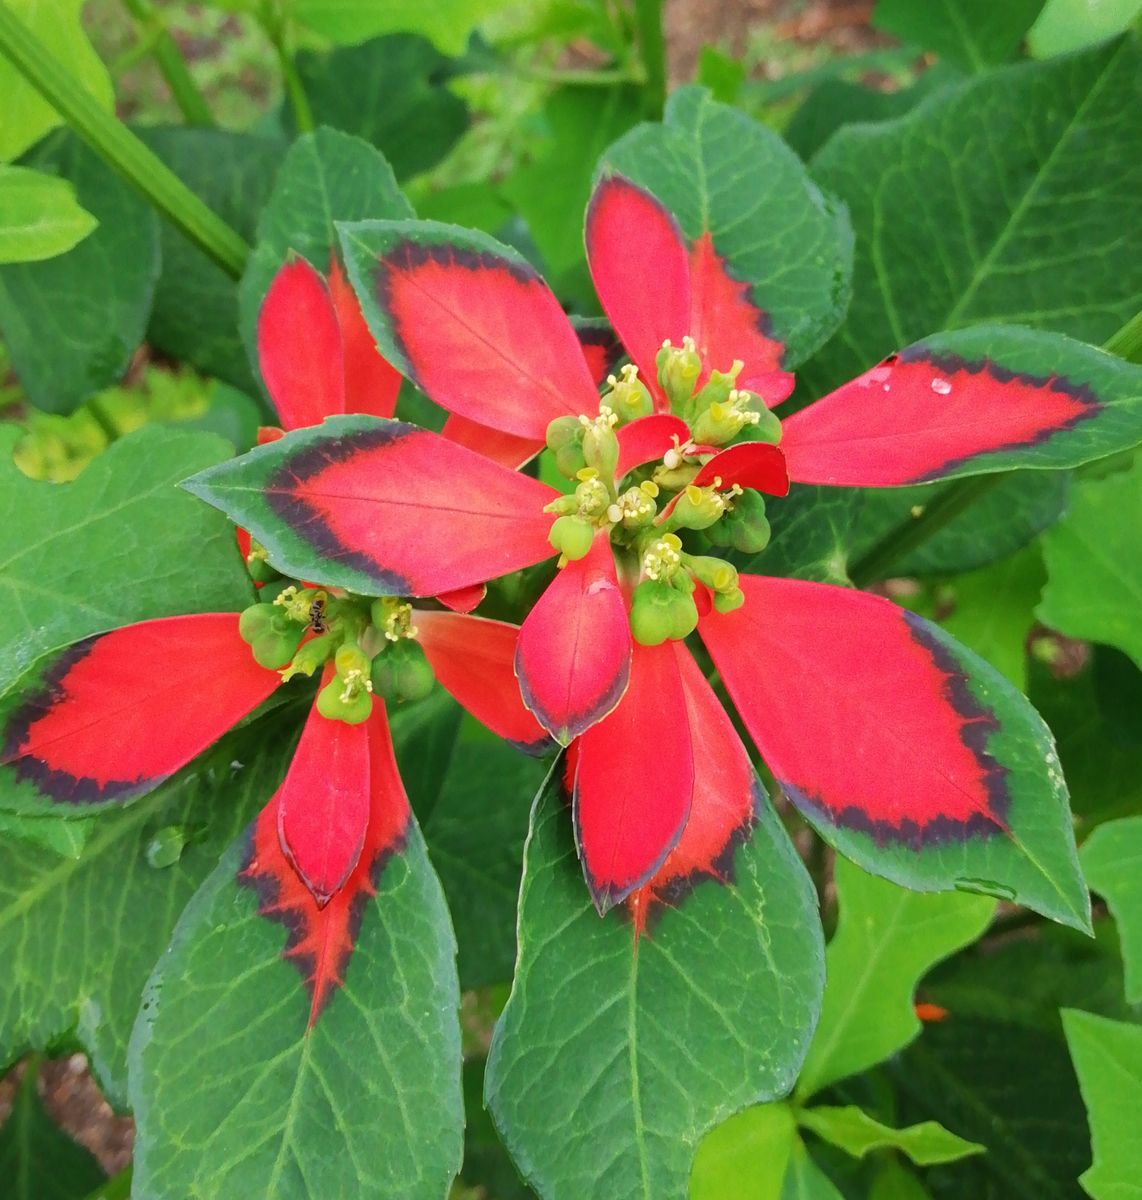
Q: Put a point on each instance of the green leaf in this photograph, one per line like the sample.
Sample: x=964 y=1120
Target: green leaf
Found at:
x=973 y=34
x=746 y=1156
x=719 y=172
x=1011 y=1089
x=393 y=93
x=894 y=1181
x=446 y=23
x=1094 y=572
x=804 y=1180
x=856 y=1133
x=994 y=611
x=613 y=1058
x=812 y=535
x=39 y=216
x=38 y=1161
x=1066 y=25
x=326 y=177
x=27 y=115
x=234 y=1095
x=1112 y=860
x=486 y=1162
x=67 y=837
x=1004 y=520
x=196 y=301
x=71 y=323
x=120 y=544
x=475 y=833
x=886 y=939
x=580 y=122
x=79 y=937
x=1108 y=1059
x=1001 y=199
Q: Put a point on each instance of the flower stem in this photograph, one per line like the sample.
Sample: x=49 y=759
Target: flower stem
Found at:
x=652 y=47
x=170 y=61
x=119 y=147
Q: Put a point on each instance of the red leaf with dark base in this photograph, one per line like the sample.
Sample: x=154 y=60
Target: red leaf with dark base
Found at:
x=574 y=651
x=320 y=939
x=632 y=789
x=118 y=713
x=724 y=804
x=919 y=416
x=323 y=803
x=474 y=660
x=300 y=351
x=862 y=717
x=371 y=384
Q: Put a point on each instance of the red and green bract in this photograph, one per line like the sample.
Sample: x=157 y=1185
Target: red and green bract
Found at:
x=870 y=723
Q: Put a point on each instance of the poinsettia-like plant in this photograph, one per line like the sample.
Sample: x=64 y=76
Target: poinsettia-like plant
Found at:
x=481 y=721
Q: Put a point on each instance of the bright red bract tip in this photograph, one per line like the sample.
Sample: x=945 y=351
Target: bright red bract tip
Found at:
x=573 y=656
x=751 y=465
x=634 y=779
x=917 y=417
x=484 y=337
x=118 y=713
x=860 y=713
x=300 y=351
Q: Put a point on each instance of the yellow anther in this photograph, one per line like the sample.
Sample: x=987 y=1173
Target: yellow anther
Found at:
x=586 y=474
x=663 y=557
x=284 y=597
x=393 y=618
x=355 y=682
x=607 y=419
x=649 y=488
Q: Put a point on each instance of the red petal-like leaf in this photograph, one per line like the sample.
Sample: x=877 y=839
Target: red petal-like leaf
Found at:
x=482 y=334
x=463 y=600
x=323 y=803
x=417 y=512
x=573 y=656
x=320 y=939
x=634 y=779
x=860 y=715
x=474 y=659
x=723 y=808
x=640 y=266
x=726 y=325
x=300 y=352
x=648 y=439
x=371 y=384
x=755 y=465
x=507 y=449
x=920 y=415
x=118 y=713
x=600 y=345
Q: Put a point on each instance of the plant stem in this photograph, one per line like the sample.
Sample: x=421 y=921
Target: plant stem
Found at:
x=119 y=147
x=1127 y=342
x=905 y=537
x=652 y=47
x=273 y=25
x=170 y=61
x=118 y=1187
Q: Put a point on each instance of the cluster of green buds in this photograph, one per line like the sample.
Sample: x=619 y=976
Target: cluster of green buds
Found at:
x=371 y=645
x=662 y=606
x=258 y=564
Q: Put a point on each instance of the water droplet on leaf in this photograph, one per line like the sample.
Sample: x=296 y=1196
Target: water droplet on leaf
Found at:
x=941 y=387
x=166 y=847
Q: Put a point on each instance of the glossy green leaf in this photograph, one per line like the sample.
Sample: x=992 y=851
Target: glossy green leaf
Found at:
x=973 y=34
x=855 y=1132
x=390 y=91
x=71 y=323
x=120 y=544
x=719 y=172
x=38 y=1161
x=804 y=1180
x=196 y=302
x=446 y=23
x=486 y=1162
x=579 y=124
x=1066 y=25
x=327 y=176
x=39 y=216
x=234 y=1095
x=27 y=115
x=1108 y=1059
x=79 y=936
x=1010 y=1088
x=1094 y=571
x=746 y=1156
x=1003 y=199
x=886 y=939
x=65 y=837
x=612 y=1058
x=1112 y=861
x=813 y=531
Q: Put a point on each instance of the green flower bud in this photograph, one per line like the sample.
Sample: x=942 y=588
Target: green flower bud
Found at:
x=745 y=527
x=261 y=571
x=660 y=612
x=338 y=702
x=312 y=656
x=697 y=508
x=402 y=674
x=718 y=575
x=274 y=648
x=725 y=602
x=565 y=441
x=572 y=537
x=255 y=621
x=717 y=389
x=349 y=658
x=600 y=446
x=628 y=397
x=678 y=371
